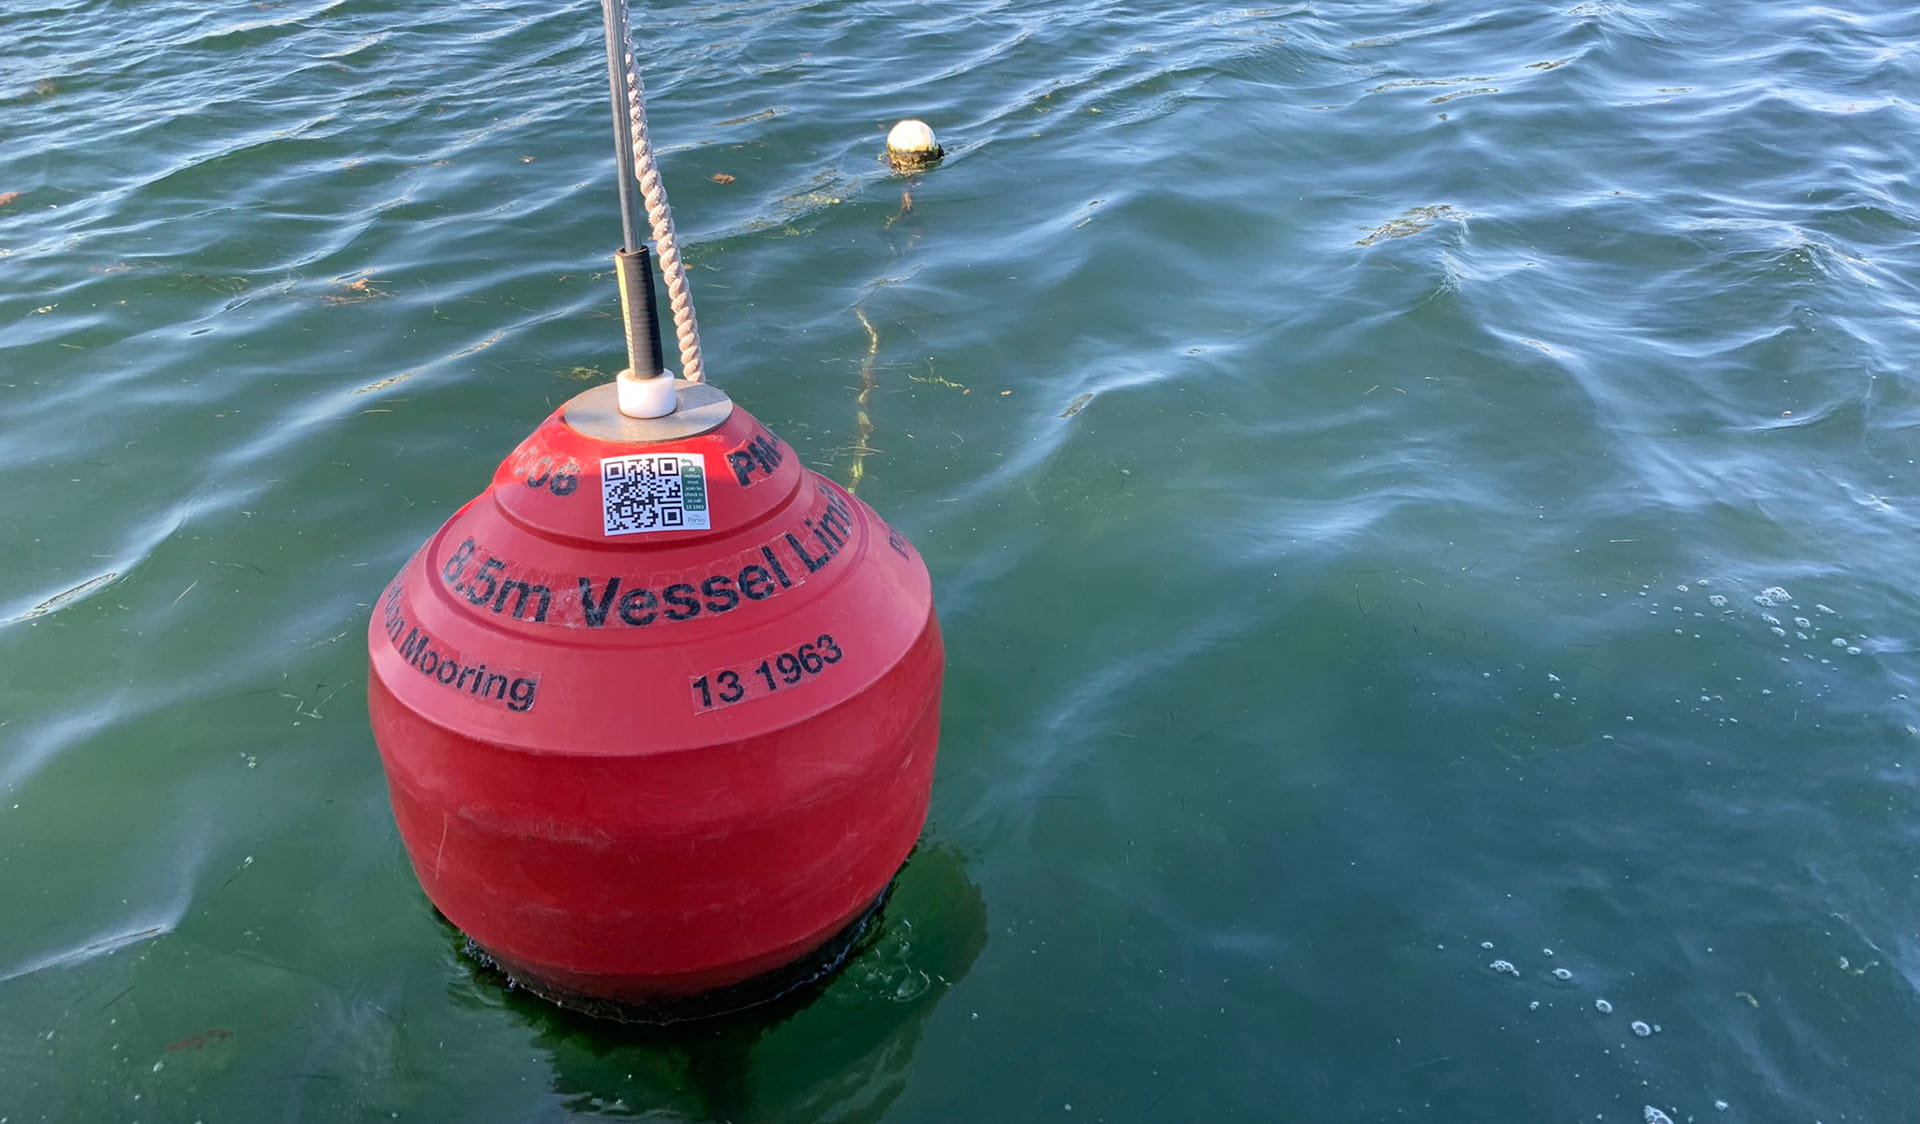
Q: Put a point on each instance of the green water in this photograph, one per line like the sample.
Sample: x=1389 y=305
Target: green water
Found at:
x=1408 y=487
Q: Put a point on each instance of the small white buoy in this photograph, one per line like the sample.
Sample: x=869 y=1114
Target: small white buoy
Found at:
x=911 y=147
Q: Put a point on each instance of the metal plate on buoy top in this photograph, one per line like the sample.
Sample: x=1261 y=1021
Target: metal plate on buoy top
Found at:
x=702 y=408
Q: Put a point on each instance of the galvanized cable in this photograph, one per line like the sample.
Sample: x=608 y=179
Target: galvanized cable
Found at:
x=653 y=195
x=615 y=33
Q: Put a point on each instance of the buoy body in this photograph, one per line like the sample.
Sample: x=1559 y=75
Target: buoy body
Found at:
x=911 y=147
x=659 y=708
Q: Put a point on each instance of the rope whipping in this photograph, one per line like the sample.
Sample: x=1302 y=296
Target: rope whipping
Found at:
x=653 y=193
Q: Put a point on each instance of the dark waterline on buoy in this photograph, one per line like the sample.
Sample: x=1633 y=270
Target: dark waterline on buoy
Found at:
x=787 y=981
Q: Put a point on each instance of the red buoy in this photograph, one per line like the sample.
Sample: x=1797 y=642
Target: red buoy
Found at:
x=658 y=709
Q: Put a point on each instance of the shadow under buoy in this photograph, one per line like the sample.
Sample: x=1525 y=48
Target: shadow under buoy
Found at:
x=837 y=1048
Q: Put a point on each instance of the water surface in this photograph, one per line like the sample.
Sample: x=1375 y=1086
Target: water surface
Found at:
x=1409 y=487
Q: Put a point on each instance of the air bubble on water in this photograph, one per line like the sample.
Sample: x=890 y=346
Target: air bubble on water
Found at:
x=1603 y=1006
x=1766 y=690
x=1488 y=945
x=1655 y=1116
x=1552 y=678
x=1773 y=595
x=1802 y=622
x=1640 y=1028
x=1681 y=588
x=1851 y=651
x=1721 y=1105
x=911 y=986
x=1546 y=952
x=1778 y=631
x=1839 y=641
x=1562 y=974
x=1702 y=582
x=1504 y=968
x=1718 y=600
x=1534 y=1006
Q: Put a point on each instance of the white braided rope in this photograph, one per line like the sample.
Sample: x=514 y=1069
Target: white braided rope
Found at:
x=653 y=194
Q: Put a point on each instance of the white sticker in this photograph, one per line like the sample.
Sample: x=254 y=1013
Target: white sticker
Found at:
x=654 y=492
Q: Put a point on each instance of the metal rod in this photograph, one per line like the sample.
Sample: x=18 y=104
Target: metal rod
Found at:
x=612 y=14
x=639 y=313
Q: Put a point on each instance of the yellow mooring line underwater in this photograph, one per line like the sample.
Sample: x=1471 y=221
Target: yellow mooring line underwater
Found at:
x=862 y=419
x=911 y=149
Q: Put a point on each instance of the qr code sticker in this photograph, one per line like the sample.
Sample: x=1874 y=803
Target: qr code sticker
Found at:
x=654 y=492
